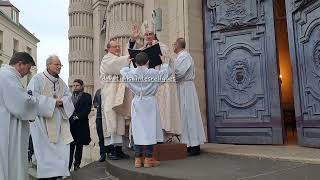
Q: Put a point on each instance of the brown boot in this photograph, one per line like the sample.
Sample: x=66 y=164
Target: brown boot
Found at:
x=150 y=162
x=138 y=162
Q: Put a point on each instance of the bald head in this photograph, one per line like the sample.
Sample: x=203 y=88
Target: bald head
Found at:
x=181 y=42
x=179 y=45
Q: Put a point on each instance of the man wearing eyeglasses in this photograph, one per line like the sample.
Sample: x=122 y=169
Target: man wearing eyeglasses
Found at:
x=51 y=130
x=115 y=100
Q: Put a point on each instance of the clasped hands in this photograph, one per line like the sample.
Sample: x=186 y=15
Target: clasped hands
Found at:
x=59 y=102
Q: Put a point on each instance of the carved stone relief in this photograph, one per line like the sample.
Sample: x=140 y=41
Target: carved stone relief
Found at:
x=231 y=14
x=240 y=75
x=316 y=55
x=307 y=32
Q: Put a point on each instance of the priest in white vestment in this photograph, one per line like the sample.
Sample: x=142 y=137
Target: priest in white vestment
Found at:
x=115 y=99
x=17 y=107
x=51 y=131
x=192 y=127
x=167 y=94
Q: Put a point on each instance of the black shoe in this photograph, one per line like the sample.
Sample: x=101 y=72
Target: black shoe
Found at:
x=102 y=159
x=120 y=154
x=194 y=151
x=112 y=156
x=76 y=168
x=188 y=149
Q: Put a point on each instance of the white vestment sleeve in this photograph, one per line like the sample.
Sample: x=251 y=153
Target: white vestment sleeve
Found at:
x=68 y=107
x=112 y=65
x=164 y=73
x=46 y=104
x=17 y=101
x=124 y=71
x=182 y=64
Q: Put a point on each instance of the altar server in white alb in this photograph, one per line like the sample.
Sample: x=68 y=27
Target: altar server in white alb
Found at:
x=167 y=94
x=145 y=114
x=17 y=107
x=51 y=131
x=192 y=127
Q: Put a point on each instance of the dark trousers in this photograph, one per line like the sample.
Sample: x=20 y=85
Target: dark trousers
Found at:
x=52 y=178
x=140 y=150
x=30 y=149
x=76 y=151
x=103 y=149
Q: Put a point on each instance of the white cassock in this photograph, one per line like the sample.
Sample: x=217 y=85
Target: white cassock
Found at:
x=51 y=131
x=192 y=126
x=145 y=114
x=167 y=98
x=16 y=108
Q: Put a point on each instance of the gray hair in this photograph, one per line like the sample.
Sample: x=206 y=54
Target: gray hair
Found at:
x=50 y=58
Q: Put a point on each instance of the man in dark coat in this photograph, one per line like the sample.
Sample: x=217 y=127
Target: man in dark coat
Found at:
x=79 y=123
x=103 y=149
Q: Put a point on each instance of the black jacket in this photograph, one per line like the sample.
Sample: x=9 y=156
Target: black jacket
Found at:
x=97 y=103
x=79 y=128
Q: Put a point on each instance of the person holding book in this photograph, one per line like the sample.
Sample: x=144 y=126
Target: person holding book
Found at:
x=145 y=114
x=167 y=94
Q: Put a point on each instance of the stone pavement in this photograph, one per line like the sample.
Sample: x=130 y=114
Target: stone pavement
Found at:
x=281 y=152
x=218 y=162
x=204 y=167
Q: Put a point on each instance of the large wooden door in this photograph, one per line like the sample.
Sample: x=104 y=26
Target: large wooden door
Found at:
x=303 y=17
x=242 y=72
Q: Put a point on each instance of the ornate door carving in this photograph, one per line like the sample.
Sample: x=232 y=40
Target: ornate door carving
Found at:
x=242 y=72
x=304 y=40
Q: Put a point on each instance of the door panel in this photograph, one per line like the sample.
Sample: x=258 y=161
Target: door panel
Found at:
x=304 y=39
x=242 y=72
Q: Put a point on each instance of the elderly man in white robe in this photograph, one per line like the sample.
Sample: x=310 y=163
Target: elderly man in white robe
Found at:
x=192 y=127
x=17 y=107
x=115 y=99
x=167 y=93
x=51 y=130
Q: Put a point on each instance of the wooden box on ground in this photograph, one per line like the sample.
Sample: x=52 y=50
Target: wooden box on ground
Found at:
x=163 y=152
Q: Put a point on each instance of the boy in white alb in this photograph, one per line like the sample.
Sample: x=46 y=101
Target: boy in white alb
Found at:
x=145 y=116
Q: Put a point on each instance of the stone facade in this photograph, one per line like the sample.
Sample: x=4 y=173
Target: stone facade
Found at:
x=14 y=37
x=81 y=42
x=113 y=19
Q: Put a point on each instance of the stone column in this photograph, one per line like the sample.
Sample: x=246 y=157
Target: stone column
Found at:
x=81 y=43
x=121 y=16
x=99 y=32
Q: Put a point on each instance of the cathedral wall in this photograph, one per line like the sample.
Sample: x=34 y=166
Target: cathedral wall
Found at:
x=183 y=18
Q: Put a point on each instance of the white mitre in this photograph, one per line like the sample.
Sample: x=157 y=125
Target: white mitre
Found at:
x=148 y=26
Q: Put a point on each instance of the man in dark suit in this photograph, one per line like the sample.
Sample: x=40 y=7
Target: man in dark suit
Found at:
x=103 y=149
x=79 y=123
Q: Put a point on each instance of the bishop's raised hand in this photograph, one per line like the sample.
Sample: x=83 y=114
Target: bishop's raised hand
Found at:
x=135 y=32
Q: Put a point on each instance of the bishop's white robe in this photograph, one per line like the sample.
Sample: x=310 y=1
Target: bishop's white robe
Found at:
x=51 y=131
x=16 y=108
x=145 y=114
x=192 y=125
x=167 y=98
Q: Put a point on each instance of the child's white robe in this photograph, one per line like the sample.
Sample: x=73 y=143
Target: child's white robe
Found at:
x=145 y=114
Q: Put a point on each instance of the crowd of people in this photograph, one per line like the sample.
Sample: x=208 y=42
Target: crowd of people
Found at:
x=57 y=118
